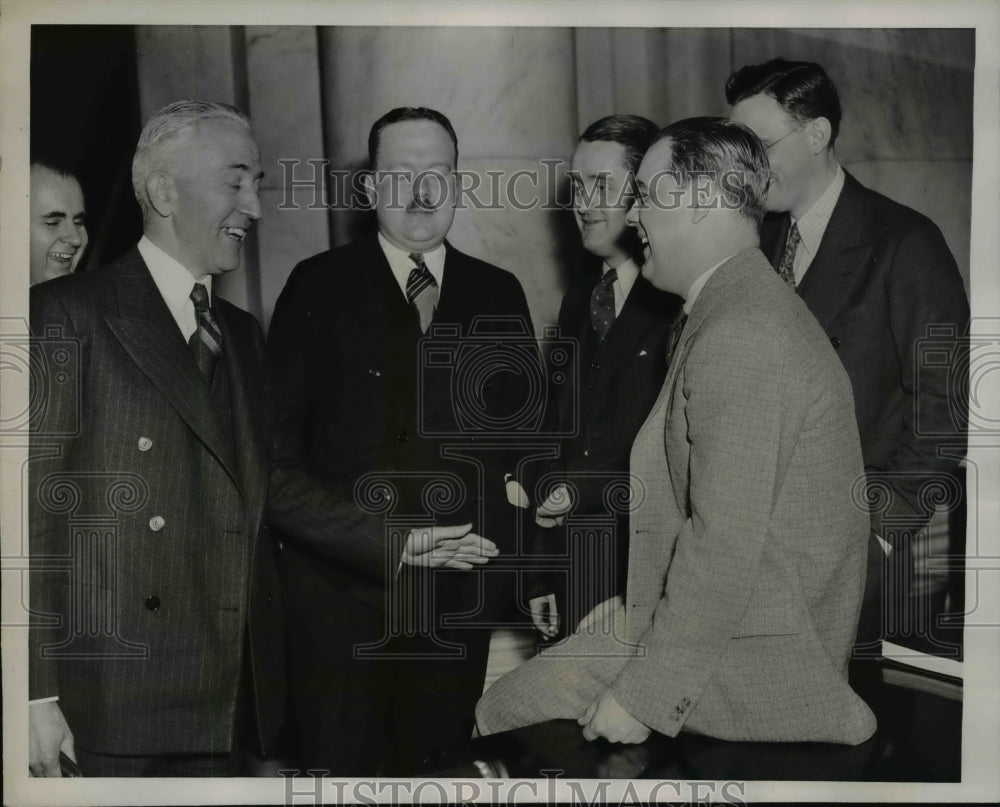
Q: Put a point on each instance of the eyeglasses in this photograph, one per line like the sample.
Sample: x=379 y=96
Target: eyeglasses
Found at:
x=770 y=146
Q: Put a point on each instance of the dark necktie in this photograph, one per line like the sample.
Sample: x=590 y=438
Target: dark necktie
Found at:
x=786 y=268
x=674 y=336
x=602 y=304
x=422 y=290
x=206 y=341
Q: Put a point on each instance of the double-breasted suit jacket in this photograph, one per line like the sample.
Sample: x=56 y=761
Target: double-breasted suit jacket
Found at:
x=152 y=573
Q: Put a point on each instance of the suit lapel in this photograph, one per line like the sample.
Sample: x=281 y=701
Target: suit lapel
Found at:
x=147 y=331
x=248 y=420
x=841 y=254
x=629 y=327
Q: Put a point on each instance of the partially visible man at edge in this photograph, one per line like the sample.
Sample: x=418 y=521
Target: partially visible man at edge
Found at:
x=58 y=226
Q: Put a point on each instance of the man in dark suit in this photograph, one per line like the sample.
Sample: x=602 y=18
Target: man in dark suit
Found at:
x=387 y=359
x=877 y=276
x=620 y=324
x=157 y=640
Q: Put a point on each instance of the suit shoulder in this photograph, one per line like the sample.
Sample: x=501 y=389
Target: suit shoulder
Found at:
x=236 y=316
x=482 y=271
x=892 y=218
x=82 y=296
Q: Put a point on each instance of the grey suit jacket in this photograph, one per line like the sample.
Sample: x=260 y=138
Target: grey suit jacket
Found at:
x=747 y=551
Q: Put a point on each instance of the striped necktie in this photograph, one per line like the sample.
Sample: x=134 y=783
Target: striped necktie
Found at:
x=422 y=290
x=206 y=341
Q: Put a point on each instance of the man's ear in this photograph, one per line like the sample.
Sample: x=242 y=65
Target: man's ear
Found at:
x=819 y=132
x=702 y=198
x=161 y=193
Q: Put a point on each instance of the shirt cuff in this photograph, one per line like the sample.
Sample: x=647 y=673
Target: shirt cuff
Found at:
x=35 y=701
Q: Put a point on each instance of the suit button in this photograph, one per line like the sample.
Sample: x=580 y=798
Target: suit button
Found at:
x=268 y=598
x=586 y=452
x=145 y=444
x=835 y=341
x=402 y=437
x=156 y=523
x=153 y=603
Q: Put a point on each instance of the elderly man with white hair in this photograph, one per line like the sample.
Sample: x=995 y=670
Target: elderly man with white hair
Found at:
x=156 y=641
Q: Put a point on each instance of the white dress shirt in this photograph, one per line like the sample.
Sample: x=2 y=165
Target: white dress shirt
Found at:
x=401 y=265
x=175 y=284
x=628 y=273
x=813 y=224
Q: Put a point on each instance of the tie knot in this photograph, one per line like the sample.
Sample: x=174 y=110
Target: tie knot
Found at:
x=420 y=278
x=199 y=296
x=609 y=277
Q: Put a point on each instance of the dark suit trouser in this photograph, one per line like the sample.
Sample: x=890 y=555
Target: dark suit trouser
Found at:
x=378 y=714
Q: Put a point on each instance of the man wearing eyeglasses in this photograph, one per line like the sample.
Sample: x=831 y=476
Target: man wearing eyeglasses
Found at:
x=876 y=275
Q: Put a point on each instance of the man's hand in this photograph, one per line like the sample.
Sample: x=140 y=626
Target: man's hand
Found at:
x=450 y=547
x=606 y=718
x=48 y=734
x=552 y=512
x=545 y=614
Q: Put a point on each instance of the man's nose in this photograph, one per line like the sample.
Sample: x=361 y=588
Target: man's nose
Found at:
x=632 y=217
x=70 y=234
x=250 y=205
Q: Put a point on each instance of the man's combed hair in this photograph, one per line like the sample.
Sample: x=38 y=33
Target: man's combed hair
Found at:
x=726 y=154
x=634 y=132
x=407 y=113
x=56 y=164
x=165 y=130
x=802 y=89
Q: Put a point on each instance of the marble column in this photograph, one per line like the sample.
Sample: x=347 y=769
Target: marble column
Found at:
x=285 y=103
x=205 y=63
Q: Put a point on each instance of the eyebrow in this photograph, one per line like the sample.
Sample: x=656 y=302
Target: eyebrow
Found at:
x=245 y=167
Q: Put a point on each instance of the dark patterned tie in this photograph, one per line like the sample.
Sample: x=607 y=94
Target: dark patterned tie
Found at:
x=786 y=268
x=674 y=336
x=602 y=304
x=206 y=341
x=422 y=290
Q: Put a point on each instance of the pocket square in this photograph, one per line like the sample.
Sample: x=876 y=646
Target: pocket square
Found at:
x=642 y=353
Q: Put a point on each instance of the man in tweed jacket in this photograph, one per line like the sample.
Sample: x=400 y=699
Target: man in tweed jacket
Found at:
x=747 y=549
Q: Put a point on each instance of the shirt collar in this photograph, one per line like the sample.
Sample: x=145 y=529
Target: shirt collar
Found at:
x=401 y=265
x=173 y=280
x=813 y=223
x=700 y=282
x=628 y=273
